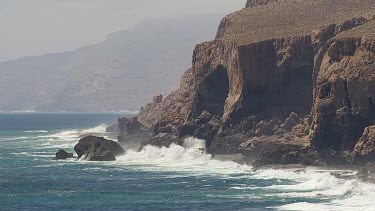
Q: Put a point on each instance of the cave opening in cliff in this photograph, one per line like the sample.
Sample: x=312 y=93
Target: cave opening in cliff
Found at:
x=213 y=92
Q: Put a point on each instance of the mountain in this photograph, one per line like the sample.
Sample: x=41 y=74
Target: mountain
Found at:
x=121 y=73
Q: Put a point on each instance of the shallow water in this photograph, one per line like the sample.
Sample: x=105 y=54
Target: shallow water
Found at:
x=174 y=178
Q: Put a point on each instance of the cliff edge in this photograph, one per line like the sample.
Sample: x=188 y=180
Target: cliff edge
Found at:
x=298 y=74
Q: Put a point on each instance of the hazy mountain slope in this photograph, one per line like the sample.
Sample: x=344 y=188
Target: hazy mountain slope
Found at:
x=123 y=72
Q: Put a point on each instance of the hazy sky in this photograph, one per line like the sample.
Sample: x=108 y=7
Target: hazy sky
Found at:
x=36 y=27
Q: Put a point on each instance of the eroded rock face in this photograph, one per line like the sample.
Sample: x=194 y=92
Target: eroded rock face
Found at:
x=99 y=151
x=364 y=151
x=264 y=151
x=345 y=92
x=97 y=145
x=277 y=71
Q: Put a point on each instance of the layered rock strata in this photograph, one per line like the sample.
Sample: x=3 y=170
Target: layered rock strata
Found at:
x=299 y=70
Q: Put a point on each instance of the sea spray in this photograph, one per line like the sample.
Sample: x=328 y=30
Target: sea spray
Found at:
x=180 y=176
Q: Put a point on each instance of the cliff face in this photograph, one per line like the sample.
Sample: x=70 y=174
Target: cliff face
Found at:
x=311 y=58
x=344 y=102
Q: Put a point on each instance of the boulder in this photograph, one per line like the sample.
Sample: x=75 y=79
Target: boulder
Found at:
x=83 y=146
x=365 y=147
x=292 y=121
x=99 y=151
x=63 y=155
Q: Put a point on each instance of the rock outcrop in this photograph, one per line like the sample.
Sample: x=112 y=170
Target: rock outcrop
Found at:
x=96 y=148
x=63 y=155
x=132 y=132
x=99 y=151
x=364 y=151
x=265 y=151
x=345 y=91
x=289 y=71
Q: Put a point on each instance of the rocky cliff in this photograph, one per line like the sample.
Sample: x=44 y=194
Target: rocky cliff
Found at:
x=298 y=72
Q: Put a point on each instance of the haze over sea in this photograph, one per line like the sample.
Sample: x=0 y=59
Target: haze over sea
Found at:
x=174 y=178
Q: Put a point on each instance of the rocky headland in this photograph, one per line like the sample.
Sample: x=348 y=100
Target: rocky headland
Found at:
x=283 y=82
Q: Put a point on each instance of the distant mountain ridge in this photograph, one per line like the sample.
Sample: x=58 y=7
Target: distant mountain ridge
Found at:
x=121 y=73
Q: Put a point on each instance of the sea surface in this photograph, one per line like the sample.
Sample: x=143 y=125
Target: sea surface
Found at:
x=174 y=178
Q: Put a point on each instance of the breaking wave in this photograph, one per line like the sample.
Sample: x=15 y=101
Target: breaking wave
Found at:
x=69 y=138
x=310 y=183
x=36 y=131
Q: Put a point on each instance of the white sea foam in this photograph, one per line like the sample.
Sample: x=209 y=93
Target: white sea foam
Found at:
x=188 y=158
x=68 y=138
x=14 y=138
x=36 y=131
x=342 y=194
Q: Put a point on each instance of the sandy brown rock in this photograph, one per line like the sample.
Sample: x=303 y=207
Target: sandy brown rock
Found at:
x=364 y=151
x=345 y=91
x=276 y=70
x=174 y=109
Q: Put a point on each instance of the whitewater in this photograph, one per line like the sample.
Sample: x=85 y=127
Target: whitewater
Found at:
x=167 y=178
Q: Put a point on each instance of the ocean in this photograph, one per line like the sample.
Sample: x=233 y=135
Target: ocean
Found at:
x=174 y=178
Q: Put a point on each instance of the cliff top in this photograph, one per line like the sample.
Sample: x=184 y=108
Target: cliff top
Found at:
x=367 y=30
x=289 y=18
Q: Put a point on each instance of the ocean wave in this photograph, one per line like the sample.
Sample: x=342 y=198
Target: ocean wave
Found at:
x=15 y=138
x=36 y=131
x=310 y=183
x=188 y=158
x=68 y=138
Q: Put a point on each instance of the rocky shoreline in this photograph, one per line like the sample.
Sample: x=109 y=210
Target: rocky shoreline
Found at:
x=278 y=97
x=284 y=82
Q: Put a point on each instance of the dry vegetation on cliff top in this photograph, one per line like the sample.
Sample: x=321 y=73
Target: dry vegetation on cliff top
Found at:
x=289 y=18
x=366 y=30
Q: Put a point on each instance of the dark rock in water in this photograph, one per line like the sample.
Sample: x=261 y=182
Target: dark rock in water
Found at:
x=187 y=130
x=163 y=140
x=63 y=155
x=99 y=151
x=264 y=151
x=86 y=143
x=132 y=133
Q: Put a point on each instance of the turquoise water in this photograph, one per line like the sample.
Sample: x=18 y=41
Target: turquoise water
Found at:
x=175 y=178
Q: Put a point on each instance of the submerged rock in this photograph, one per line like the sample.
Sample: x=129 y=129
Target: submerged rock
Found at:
x=63 y=155
x=97 y=147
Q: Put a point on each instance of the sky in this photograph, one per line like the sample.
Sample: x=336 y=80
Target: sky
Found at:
x=37 y=27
